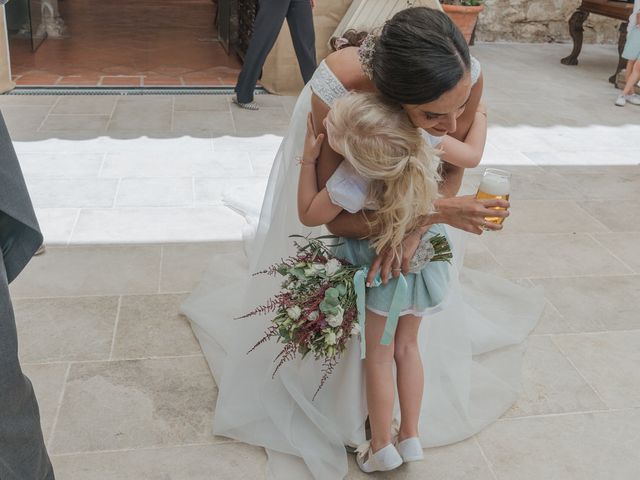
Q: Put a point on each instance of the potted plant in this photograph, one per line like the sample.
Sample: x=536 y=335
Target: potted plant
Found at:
x=464 y=14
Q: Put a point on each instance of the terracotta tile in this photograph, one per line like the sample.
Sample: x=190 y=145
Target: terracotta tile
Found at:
x=161 y=80
x=120 y=70
x=41 y=79
x=78 y=80
x=228 y=79
x=169 y=70
x=201 y=80
x=122 y=81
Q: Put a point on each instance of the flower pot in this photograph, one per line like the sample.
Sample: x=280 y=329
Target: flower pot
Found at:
x=464 y=17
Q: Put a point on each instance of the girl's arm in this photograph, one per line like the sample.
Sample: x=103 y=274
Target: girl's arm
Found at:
x=314 y=207
x=328 y=160
x=467 y=154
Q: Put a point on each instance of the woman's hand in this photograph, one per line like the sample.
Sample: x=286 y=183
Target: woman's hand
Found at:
x=390 y=264
x=312 y=143
x=468 y=213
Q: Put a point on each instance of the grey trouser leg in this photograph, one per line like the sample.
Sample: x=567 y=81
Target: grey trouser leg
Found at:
x=23 y=455
x=267 y=26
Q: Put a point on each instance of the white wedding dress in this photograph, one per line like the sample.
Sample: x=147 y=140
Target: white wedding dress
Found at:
x=471 y=345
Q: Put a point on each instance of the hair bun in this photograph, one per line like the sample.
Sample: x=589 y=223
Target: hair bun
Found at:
x=350 y=38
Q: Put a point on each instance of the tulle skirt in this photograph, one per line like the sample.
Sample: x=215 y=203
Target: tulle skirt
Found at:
x=471 y=345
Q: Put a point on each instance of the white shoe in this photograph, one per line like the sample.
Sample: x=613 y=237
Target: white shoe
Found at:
x=383 y=460
x=410 y=449
x=634 y=99
x=621 y=101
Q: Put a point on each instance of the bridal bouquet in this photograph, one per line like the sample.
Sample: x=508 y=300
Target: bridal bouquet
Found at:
x=316 y=310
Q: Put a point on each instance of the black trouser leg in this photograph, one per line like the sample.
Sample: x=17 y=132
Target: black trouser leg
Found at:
x=23 y=455
x=300 y=20
x=266 y=28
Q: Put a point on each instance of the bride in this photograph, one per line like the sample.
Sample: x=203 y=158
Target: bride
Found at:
x=471 y=344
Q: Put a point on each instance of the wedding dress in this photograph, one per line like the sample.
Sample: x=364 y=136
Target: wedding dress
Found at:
x=471 y=344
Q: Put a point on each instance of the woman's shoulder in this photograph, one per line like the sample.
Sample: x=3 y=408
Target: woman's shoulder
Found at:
x=345 y=65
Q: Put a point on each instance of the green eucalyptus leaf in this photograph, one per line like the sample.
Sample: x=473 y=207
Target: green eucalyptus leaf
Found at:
x=328 y=308
x=298 y=273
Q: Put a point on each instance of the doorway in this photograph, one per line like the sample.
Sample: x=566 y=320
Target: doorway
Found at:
x=119 y=43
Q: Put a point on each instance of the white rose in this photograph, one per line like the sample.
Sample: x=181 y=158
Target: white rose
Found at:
x=294 y=312
x=330 y=338
x=355 y=330
x=314 y=270
x=336 y=320
x=332 y=267
x=340 y=333
x=313 y=316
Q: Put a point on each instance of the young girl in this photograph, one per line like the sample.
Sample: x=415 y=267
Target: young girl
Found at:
x=389 y=167
x=632 y=54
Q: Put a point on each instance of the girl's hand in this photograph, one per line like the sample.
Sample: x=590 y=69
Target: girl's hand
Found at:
x=468 y=213
x=390 y=264
x=312 y=143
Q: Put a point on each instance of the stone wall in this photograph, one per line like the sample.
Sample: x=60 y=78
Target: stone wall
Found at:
x=539 y=21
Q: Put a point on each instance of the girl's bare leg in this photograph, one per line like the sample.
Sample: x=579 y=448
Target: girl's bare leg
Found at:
x=410 y=375
x=633 y=76
x=379 y=378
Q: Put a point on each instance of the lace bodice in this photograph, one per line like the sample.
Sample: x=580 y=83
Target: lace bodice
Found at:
x=326 y=85
x=476 y=70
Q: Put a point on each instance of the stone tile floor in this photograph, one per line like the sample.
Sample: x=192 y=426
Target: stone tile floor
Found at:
x=124 y=390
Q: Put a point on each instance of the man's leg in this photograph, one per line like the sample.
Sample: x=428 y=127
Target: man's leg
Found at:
x=267 y=26
x=23 y=455
x=300 y=20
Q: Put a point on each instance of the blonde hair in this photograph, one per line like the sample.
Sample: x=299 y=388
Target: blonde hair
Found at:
x=378 y=139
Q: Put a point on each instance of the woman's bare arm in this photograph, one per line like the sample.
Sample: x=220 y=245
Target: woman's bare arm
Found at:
x=351 y=225
x=452 y=175
x=468 y=116
x=467 y=154
x=451 y=180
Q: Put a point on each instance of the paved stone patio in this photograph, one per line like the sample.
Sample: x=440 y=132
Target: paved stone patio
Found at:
x=128 y=192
